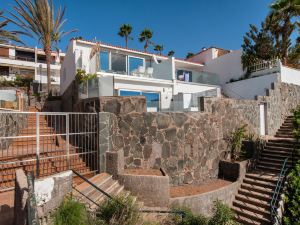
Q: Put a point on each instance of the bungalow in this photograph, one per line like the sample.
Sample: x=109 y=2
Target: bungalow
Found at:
x=167 y=83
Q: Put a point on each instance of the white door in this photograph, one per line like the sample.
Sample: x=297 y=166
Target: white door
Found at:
x=262 y=119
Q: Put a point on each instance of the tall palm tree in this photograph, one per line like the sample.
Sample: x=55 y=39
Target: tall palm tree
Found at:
x=171 y=53
x=146 y=36
x=6 y=36
x=125 y=31
x=39 y=19
x=159 y=48
x=282 y=25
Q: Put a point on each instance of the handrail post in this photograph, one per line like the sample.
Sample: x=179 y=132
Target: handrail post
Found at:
x=67 y=140
x=37 y=144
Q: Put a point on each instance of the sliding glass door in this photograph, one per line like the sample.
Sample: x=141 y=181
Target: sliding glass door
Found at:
x=134 y=63
x=152 y=98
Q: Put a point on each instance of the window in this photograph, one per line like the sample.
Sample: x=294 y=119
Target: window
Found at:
x=184 y=75
x=134 y=63
x=104 y=61
x=152 y=98
x=118 y=63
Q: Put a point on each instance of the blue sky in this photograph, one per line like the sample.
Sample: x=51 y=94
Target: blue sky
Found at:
x=182 y=26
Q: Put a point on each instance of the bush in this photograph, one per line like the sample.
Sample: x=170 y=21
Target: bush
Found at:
x=235 y=140
x=292 y=197
x=71 y=212
x=120 y=210
x=222 y=215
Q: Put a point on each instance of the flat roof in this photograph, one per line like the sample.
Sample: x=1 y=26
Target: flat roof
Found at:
x=130 y=50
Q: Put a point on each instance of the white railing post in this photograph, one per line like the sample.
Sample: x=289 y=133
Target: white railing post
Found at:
x=67 y=139
x=37 y=144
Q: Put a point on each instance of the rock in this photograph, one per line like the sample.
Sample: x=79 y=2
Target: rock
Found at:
x=171 y=134
x=166 y=150
x=163 y=120
x=179 y=119
x=137 y=162
x=147 y=151
x=188 y=178
x=112 y=106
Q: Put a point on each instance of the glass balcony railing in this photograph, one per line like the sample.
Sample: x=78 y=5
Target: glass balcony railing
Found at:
x=200 y=77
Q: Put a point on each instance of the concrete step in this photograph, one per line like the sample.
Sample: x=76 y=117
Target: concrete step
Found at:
x=264 y=184
x=262 y=177
x=271 y=164
x=280 y=157
x=280 y=148
x=254 y=188
x=256 y=218
x=253 y=208
x=284 y=135
x=253 y=201
x=269 y=168
x=254 y=194
x=277 y=153
x=247 y=221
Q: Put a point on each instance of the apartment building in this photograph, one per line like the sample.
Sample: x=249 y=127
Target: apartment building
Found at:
x=30 y=63
x=167 y=83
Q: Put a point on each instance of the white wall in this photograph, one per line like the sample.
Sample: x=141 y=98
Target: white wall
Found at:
x=290 y=75
x=226 y=66
x=68 y=69
x=184 y=87
x=249 y=88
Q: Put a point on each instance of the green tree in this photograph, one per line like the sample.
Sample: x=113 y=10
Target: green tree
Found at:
x=125 y=31
x=292 y=197
x=38 y=19
x=258 y=45
x=189 y=55
x=145 y=36
x=5 y=35
x=171 y=53
x=159 y=48
x=282 y=24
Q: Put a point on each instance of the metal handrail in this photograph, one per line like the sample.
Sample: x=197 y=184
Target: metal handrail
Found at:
x=179 y=212
x=279 y=185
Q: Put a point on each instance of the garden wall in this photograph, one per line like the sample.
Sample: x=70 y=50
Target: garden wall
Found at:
x=189 y=145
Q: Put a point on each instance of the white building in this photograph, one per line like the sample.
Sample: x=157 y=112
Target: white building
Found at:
x=29 y=62
x=168 y=83
x=228 y=65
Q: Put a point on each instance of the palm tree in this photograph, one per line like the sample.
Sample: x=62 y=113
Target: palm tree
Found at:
x=171 y=53
x=146 y=35
x=189 y=55
x=6 y=36
x=38 y=19
x=281 y=24
x=159 y=48
x=125 y=31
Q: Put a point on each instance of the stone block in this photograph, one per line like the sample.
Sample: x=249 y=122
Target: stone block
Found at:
x=115 y=163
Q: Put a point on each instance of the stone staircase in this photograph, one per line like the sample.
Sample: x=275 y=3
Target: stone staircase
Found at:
x=88 y=195
x=21 y=153
x=252 y=203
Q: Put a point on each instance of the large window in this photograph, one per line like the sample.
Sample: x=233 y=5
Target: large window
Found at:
x=118 y=63
x=104 y=61
x=134 y=63
x=152 y=98
x=184 y=75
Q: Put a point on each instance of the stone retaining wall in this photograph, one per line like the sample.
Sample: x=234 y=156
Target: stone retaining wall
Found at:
x=153 y=191
x=204 y=203
x=280 y=100
x=187 y=147
x=10 y=125
x=113 y=104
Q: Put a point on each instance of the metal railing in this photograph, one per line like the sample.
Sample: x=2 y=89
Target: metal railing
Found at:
x=276 y=195
x=264 y=65
x=179 y=212
x=46 y=143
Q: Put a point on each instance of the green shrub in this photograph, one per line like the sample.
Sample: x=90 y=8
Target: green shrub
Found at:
x=235 y=140
x=71 y=212
x=292 y=197
x=120 y=210
x=222 y=215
